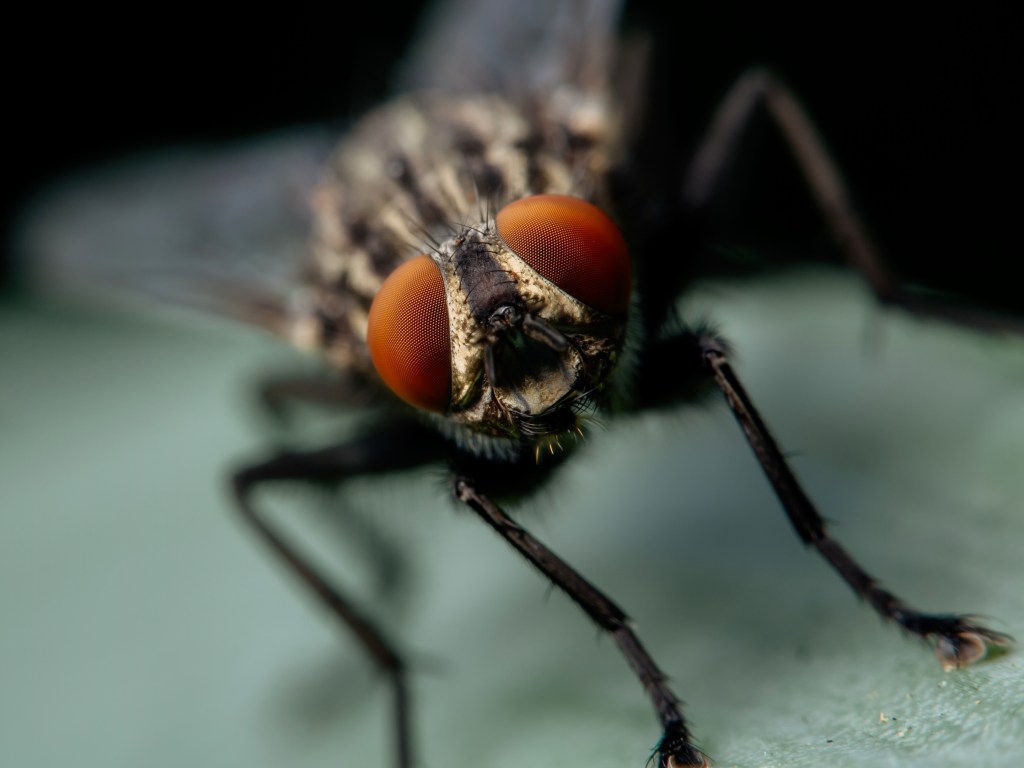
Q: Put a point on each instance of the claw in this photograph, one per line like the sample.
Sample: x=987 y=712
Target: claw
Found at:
x=968 y=645
x=672 y=762
x=680 y=754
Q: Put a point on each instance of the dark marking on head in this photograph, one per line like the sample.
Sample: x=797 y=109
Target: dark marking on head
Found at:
x=486 y=284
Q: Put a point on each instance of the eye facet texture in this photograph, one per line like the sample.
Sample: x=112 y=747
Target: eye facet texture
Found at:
x=574 y=245
x=408 y=335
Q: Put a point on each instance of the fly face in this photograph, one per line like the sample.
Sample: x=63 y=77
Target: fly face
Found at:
x=479 y=335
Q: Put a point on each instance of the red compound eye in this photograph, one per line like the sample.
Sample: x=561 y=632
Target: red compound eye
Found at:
x=574 y=245
x=408 y=335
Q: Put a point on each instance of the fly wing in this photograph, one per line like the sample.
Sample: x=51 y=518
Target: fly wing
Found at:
x=529 y=47
x=218 y=229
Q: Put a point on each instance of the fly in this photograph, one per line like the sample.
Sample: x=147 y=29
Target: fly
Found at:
x=518 y=320
x=485 y=259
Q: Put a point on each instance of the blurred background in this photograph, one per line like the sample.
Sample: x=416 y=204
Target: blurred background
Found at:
x=140 y=625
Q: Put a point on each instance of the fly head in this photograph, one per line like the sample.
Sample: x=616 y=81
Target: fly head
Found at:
x=512 y=327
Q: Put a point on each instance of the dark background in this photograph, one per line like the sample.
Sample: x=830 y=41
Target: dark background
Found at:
x=917 y=109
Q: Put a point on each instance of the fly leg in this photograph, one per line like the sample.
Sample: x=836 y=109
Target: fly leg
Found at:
x=277 y=393
x=676 y=749
x=760 y=88
x=957 y=639
x=392 y=448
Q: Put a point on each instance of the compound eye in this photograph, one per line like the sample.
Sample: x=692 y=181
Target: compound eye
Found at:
x=574 y=245
x=408 y=335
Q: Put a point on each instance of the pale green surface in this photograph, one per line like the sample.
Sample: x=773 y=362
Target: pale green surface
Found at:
x=142 y=628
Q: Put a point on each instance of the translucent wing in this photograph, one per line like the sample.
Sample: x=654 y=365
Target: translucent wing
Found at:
x=219 y=229
x=531 y=47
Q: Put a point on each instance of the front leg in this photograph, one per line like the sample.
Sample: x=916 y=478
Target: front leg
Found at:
x=676 y=748
x=958 y=640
